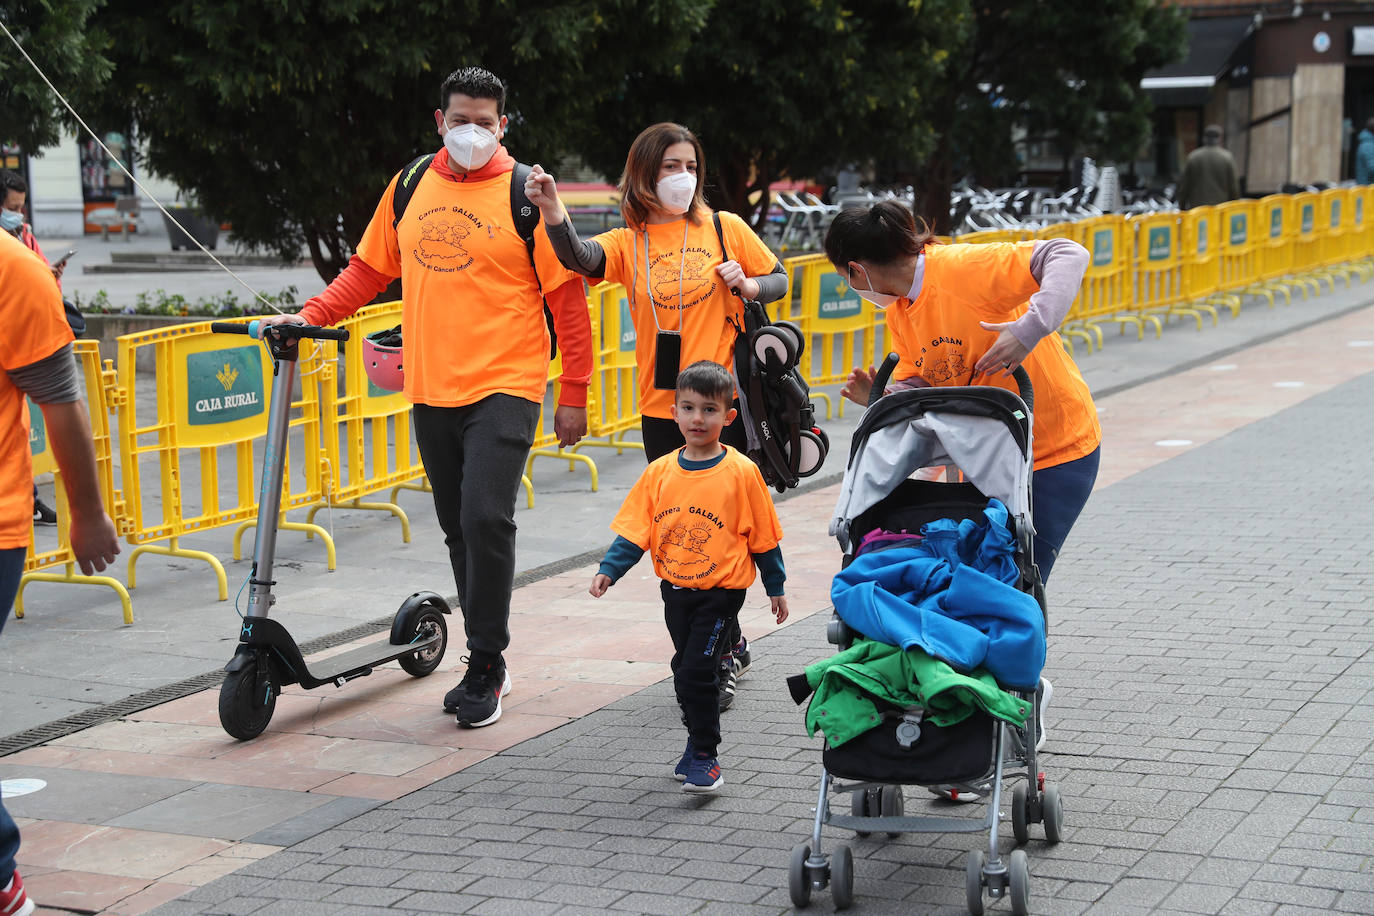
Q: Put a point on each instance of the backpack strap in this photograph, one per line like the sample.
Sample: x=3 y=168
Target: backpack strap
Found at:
x=715 y=221
x=524 y=213
x=405 y=187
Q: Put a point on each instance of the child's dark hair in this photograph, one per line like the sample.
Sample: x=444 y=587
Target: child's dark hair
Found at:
x=475 y=83
x=882 y=234
x=708 y=379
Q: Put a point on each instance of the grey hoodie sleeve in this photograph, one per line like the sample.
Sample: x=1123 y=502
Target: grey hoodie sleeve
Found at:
x=772 y=285
x=587 y=258
x=1058 y=266
x=51 y=380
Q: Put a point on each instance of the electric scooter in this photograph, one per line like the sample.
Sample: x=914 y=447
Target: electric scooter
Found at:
x=267 y=658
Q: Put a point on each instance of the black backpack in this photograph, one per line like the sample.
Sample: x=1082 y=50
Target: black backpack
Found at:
x=524 y=215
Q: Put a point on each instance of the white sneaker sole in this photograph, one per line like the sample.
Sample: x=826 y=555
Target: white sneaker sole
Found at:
x=491 y=719
x=693 y=789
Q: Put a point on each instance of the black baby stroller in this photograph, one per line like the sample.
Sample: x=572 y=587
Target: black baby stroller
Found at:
x=984 y=432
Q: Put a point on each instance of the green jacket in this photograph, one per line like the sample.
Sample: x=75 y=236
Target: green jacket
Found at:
x=845 y=685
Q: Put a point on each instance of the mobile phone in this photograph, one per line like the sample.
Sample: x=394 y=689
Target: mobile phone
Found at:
x=63 y=260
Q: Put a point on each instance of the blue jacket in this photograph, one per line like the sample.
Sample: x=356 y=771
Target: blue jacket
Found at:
x=953 y=597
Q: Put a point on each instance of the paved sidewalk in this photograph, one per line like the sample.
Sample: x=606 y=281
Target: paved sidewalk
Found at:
x=214 y=804
x=1211 y=732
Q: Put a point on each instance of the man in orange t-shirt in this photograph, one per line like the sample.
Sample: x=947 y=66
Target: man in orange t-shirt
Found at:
x=475 y=355
x=36 y=359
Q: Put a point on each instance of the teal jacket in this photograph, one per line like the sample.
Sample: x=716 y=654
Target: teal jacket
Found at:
x=845 y=685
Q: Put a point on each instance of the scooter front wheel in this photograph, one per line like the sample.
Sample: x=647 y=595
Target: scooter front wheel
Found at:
x=242 y=711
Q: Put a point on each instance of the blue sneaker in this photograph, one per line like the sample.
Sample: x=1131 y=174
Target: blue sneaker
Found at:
x=703 y=775
x=685 y=763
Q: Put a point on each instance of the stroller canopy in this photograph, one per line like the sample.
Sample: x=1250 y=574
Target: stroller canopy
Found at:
x=984 y=431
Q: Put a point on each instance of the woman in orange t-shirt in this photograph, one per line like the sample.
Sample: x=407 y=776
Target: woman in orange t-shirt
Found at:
x=970 y=314
x=679 y=277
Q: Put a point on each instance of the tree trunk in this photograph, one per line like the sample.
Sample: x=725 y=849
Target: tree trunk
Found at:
x=933 y=187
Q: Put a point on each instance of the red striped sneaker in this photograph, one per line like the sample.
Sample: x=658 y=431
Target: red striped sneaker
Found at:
x=14 y=900
x=703 y=776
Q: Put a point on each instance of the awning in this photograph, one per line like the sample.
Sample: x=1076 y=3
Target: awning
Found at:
x=1212 y=43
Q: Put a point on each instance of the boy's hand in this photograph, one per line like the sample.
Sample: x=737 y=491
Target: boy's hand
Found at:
x=601 y=582
x=859 y=384
x=778 y=605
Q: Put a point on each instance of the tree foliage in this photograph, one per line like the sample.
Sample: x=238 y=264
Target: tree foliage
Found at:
x=782 y=89
x=58 y=36
x=1068 y=70
x=288 y=117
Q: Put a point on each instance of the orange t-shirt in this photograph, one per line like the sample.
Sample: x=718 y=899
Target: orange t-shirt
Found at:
x=938 y=338
x=473 y=316
x=35 y=327
x=701 y=527
x=706 y=302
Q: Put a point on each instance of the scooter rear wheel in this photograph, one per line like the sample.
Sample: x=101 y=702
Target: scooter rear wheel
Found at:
x=241 y=717
x=424 y=661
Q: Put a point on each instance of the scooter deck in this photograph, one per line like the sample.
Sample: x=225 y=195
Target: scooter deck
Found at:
x=360 y=661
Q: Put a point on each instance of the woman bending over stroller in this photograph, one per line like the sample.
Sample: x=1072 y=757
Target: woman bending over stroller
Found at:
x=959 y=315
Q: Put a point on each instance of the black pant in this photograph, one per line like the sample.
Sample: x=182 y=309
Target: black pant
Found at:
x=699 y=622
x=474 y=456
x=663 y=436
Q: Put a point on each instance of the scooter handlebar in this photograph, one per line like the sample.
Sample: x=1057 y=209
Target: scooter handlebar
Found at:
x=285 y=331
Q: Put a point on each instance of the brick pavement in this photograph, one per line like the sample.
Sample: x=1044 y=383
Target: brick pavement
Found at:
x=1211 y=732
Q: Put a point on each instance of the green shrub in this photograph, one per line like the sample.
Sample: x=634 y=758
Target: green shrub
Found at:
x=161 y=302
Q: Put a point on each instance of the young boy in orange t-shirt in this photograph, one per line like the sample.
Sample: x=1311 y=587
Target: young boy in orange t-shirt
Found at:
x=704 y=513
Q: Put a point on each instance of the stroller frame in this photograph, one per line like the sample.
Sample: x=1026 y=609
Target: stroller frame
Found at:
x=879 y=806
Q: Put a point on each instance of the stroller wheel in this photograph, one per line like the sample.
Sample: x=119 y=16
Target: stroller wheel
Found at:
x=1020 y=812
x=812 y=453
x=860 y=806
x=842 y=877
x=973 y=882
x=892 y=805
x=1018 y=882
x=797 y=339
x=1053 y=810
x=776 y=341
x=798 y=879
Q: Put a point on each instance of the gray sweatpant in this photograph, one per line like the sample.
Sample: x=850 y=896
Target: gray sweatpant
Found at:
x=473 y=457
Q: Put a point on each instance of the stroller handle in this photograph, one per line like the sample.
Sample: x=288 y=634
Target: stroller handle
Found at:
x=1023 y=382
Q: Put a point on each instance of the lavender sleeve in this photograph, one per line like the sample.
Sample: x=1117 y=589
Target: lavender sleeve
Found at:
x=1058 y=266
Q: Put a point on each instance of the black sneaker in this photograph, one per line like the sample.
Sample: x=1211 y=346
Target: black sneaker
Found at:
x=43 y=514
x=476 y=700
x=727 y=678
x=741 y=656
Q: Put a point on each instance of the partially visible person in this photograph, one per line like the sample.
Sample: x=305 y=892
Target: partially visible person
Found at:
x=14 y=191
x=680 y=276
x=704 y=515
x=36 y=359
x=475 y=355
x=1209 y=174
x=1364 y=154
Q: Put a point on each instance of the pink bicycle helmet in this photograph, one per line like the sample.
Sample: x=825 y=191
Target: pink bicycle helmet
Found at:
x=382 y=359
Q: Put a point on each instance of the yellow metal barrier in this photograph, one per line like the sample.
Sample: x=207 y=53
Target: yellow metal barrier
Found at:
x=1307 y=253
x=1105 y=295
x=546 y=440
x=1239 y=258
x=833 y=315
x=210 y=394
x=613 y=395
x=35 y=562
x=1362 y=234
x=1157 y=269
x=1275 y=223
x=1336 y=257
x=367 y=439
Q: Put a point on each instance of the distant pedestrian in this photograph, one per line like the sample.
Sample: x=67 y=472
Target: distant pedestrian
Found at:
x=704 y=515
x=1364 y=154
x=1209 y=175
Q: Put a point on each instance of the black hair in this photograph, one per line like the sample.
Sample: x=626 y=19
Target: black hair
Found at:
x=10 y=181
x=475 y=83
x=708 y=379
x=882 y=234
